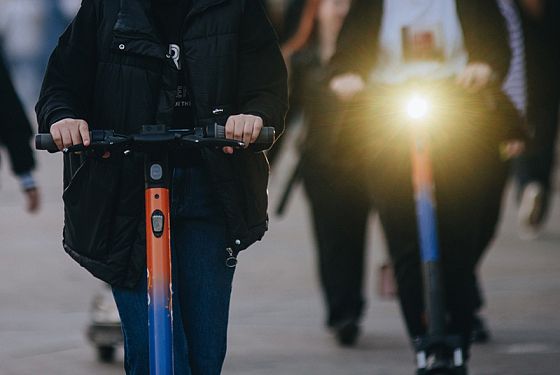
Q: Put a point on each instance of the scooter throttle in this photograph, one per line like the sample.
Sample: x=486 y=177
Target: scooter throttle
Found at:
x=265 y=139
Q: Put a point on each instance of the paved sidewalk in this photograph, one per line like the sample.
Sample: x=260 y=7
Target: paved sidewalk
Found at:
x=277 y=316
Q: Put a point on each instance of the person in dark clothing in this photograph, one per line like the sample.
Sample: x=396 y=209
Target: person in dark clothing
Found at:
x=533 y=85
x=514 y=86
x=333 y=188
x=292 y=18
x=15 y=134
x=533 y=170
x=121 y=65
x=297 y=30
x=459 y=49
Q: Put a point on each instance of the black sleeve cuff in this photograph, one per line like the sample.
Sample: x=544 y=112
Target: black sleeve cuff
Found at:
x=57 y=115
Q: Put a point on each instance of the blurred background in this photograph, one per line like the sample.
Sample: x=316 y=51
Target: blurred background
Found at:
x=277 y=318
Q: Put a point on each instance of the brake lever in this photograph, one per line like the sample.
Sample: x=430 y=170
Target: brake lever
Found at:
x=74 y=149
x=111 y=144
x=219 y=142
x=216 y=142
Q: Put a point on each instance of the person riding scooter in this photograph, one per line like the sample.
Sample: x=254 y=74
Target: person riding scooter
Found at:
x=181 y=64
x=459 y=47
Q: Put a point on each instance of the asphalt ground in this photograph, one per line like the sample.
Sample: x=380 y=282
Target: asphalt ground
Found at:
x=276 y=325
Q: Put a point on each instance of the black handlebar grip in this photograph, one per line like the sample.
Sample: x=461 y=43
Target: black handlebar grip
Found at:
x=45 y=142
x=266 y=137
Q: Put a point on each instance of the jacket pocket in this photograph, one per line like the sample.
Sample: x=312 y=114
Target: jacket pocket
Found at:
x=89 y=205
x=252 y=171
x=240 y=183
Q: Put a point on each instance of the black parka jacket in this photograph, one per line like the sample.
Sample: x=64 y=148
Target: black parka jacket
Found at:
x=111 y=69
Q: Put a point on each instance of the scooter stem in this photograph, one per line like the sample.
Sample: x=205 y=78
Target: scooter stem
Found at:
x=158 y=244
x=424 y=192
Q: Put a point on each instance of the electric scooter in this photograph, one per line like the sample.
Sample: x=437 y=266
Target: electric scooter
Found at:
x=156 y=142
x=437 y=353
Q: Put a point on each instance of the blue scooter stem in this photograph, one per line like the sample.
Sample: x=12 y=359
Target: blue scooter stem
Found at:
x=424 y=193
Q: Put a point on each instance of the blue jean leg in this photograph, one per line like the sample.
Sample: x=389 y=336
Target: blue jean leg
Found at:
x=133 y=310
x=201 y=285
x=204 y=280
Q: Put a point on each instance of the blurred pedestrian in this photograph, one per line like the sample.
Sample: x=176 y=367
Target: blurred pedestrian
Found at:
x=58 y=14
x=533 y=85
x=339 y=203
x=515 y=87
x=22 y=28
x=540 y=20
x=294 y=9
x=458 y=48
x=297 y=29
x=15 y=135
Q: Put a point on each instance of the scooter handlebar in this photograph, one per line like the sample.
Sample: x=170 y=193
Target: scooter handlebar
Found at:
x=265 y=139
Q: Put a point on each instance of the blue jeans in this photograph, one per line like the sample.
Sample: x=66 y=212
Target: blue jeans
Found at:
x=201 y=285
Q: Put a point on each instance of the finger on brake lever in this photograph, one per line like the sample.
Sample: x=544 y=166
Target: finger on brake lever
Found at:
x=74 y=149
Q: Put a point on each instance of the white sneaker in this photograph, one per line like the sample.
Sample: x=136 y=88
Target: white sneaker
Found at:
x=531 y=210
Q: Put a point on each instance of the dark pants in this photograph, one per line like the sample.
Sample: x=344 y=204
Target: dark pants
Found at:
x=339 y=211
x=493 y=184
x=468 y=195
x=537 y=164
x=201 y=285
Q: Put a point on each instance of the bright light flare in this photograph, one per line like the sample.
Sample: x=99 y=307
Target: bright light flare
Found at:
x=417 y=107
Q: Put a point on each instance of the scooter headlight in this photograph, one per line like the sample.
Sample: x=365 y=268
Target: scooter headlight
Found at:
x=417 y=107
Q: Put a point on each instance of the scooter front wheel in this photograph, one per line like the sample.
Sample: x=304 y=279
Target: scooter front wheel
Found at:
x=106 y=354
